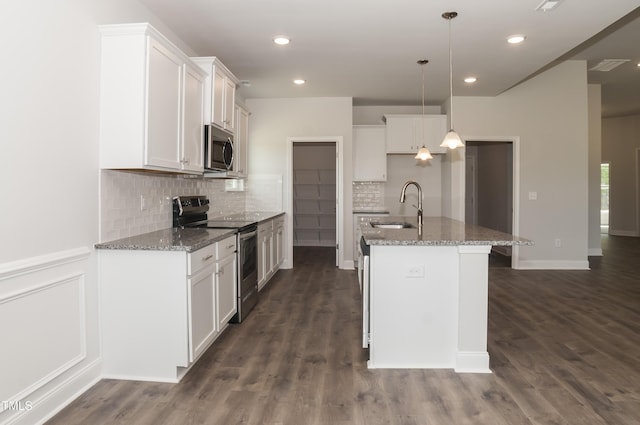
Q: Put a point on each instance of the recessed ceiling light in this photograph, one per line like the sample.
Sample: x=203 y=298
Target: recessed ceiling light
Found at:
x=299 y=81
x=282 y=40
x=515 y=39
x=470 y=80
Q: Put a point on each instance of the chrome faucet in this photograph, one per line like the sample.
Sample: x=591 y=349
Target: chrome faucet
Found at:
x=419 y=207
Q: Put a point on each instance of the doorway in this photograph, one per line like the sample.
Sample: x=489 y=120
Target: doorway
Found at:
x=489 y=189
x=314 y=204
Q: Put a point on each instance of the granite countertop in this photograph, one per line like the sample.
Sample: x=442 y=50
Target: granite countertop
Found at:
x=437 y=231
x=257 y=216
x=173 y=239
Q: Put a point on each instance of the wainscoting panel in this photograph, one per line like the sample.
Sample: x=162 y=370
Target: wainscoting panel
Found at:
x=42 y=314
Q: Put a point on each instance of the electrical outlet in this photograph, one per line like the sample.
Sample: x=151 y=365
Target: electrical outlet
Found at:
x=415 y=271
x=558 y=243
x=533 y=196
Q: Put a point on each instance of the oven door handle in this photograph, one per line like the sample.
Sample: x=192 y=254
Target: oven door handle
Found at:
x=248 y=235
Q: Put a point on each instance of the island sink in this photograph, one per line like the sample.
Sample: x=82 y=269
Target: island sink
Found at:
x=392 y=225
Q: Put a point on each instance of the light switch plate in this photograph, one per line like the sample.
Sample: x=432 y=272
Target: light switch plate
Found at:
x=533 y=196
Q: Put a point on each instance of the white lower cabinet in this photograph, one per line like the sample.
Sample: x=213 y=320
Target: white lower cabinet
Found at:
x=160 y=310
x=202 y=311
x=270 y=249
x=265 y=240
x=226 y=290
x=359 y=219
x=278 y=242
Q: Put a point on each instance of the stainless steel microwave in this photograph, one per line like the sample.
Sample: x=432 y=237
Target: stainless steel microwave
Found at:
x=218 y=149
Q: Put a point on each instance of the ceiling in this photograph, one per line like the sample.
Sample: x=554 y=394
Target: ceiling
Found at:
x=368 y=49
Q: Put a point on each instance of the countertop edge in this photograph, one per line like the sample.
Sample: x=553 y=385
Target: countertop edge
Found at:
x=438 y=231
x=135 y=243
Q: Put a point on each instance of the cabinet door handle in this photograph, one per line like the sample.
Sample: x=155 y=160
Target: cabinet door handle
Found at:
x=231 y=246
x=208 y=257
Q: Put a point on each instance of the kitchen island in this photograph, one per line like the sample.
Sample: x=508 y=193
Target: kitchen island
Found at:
x=426 y=294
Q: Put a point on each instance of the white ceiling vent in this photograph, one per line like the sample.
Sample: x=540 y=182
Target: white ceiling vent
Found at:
x=608 y=64
x=548 y=5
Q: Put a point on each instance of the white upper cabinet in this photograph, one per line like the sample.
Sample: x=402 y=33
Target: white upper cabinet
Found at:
x=164 y=74
x=220 y=93
x=369 y=153
x=192 y=158
x=151 y=102
x=406 y=134
x=241 y=141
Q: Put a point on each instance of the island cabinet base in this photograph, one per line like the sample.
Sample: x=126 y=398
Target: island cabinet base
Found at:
x=428 y=307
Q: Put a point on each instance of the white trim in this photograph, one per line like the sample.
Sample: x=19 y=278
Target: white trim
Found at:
x=42 y=262
x=553 y=265
x=288 y=201
x=58 y=384
x=637 y=191
x=76 y=278
x=515 y=219
x=68 y=391
x=472 y=362
x=616 y=232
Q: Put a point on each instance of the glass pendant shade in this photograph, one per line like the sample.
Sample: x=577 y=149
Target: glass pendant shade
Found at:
x=452 y=140
x=423 y=154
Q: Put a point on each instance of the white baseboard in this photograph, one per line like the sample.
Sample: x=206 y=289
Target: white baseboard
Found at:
x=48 y=404
x=472 y=362
x=615 y=232
x=348 y=265
x=552 y=265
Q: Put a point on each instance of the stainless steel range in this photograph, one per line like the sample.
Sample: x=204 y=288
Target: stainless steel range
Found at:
x=191 y=211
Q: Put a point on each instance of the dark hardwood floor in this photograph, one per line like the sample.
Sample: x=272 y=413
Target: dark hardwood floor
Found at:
x=564 y=346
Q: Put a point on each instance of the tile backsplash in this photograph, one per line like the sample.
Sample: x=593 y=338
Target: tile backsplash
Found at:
x=368 y=196
x=133 y=203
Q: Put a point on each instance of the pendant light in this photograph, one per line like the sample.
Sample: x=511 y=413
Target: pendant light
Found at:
x=423 y=154
x=451 y=140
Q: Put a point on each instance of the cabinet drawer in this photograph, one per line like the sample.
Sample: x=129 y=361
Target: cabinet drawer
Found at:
x=226 y=247
x=201 y=258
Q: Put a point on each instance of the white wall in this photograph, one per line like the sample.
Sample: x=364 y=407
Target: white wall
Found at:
x=372 y=115
x=273 y=121
x=620 y=142
x=549 y=116
x=49 y=186
x=402 y=168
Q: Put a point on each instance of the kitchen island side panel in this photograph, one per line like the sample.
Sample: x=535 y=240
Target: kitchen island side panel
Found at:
x=143 y=298
x=414 y=306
